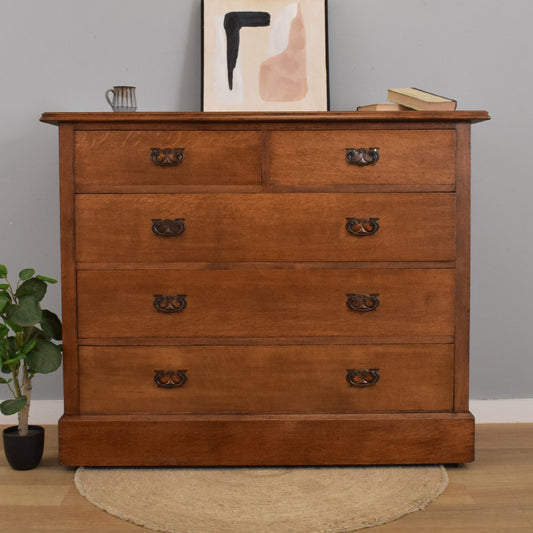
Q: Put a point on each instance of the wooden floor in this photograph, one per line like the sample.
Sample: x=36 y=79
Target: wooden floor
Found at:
x=492 y=495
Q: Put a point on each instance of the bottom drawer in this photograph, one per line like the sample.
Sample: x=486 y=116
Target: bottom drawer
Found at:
x=265 y=379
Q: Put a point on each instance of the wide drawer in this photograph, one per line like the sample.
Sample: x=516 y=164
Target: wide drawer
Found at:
x=319 y=158
x=266 y=303
x=265 y=379
x=265 y=227
x=105 y=159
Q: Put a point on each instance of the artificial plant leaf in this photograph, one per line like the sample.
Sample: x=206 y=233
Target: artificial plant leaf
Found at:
x=44 y=358
x=3 y=271
x=4 y=300
x=16 y=328
x=51 y=324
x=33 y=332
x=4 y=354
x=28 y=347
x=46 y=278
x=32 y=287
x=26 y=313
x=11 y=347
x=10 y=407
x=15 y=359
x=2 y=380
x=4 y=286
x=27 y=273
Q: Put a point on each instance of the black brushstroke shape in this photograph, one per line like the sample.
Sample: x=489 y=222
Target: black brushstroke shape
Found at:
x=233 y=22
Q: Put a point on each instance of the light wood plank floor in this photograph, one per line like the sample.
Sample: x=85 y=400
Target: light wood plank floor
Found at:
x=492 y=495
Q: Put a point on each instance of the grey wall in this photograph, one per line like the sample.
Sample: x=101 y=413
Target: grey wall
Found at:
x=61 y=55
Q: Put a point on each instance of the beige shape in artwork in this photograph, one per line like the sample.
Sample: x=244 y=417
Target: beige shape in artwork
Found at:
x=283 y=77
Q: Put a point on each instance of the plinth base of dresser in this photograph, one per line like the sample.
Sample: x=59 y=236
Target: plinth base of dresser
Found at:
x=230 y=440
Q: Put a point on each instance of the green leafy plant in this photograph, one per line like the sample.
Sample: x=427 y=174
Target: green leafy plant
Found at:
x=26 y=339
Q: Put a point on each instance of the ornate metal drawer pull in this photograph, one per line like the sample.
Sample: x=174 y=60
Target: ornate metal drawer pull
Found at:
x=362 y=303
x=362 y=156
x=362 y=378
x=362 y=227
x=170 y=379
x=168 y=227
x=170 y=304
x=167 y=157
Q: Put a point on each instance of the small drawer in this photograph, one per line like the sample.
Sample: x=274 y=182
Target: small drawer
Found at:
x=266 y=303
x=310 y=159
x=108 y=159
x=265 y=379
x=265 y=227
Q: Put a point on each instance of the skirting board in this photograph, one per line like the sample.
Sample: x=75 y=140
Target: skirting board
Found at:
x=519 y=410
x=485 y=411
x=41 y=412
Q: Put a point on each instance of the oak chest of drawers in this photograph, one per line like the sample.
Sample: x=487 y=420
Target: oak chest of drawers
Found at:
x=265 y=289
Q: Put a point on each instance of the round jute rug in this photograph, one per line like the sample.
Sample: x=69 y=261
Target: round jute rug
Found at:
x=273 y=500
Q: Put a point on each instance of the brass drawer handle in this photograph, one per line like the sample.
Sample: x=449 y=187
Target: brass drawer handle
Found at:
x=362 y=227
x=170 y=304
x=362 y=303
x=362 y=156
x=167 y=157
x=170 y=379
x=363 y=377
x=164 y=227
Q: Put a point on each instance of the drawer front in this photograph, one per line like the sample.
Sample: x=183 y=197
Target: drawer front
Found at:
x=271 y=379
x=406 y=157
x=118 y=158
x=265 y=227
x=266 y=303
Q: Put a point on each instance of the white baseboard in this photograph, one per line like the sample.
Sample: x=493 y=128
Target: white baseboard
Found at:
x=41 y=412
x=485 y=411
x=502 y=411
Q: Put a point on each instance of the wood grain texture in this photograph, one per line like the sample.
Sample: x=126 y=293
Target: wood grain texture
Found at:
x=273 y=379
x=227 y=303
x=113 y=158
x=304 y=158
x=197 y=118
x=265 y=227
x=462 y=284
x=339 y=188
x=262 y=265
x=68 y=269
x=259 y=341
x=268 y=440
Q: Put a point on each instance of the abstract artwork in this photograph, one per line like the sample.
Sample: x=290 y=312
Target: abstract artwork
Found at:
x=264 y=55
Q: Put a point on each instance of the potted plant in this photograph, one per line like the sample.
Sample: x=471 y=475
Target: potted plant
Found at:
x=26 y=348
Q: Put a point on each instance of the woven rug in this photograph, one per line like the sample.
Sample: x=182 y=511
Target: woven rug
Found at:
x=257 y=500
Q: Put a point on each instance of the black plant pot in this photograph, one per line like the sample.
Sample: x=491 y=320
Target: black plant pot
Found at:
x=23 y=452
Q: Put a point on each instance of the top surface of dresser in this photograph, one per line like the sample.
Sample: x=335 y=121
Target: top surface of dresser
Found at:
x=273 y=118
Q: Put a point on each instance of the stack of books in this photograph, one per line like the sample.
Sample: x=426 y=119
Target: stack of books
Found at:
x=409 y=98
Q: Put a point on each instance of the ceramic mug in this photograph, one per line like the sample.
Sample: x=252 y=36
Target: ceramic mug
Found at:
x=123 y=99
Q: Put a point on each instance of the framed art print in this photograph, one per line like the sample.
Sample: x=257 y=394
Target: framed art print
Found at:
x=264 y=55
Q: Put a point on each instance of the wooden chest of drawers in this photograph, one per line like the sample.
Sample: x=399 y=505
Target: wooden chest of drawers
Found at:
x=265 y=289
